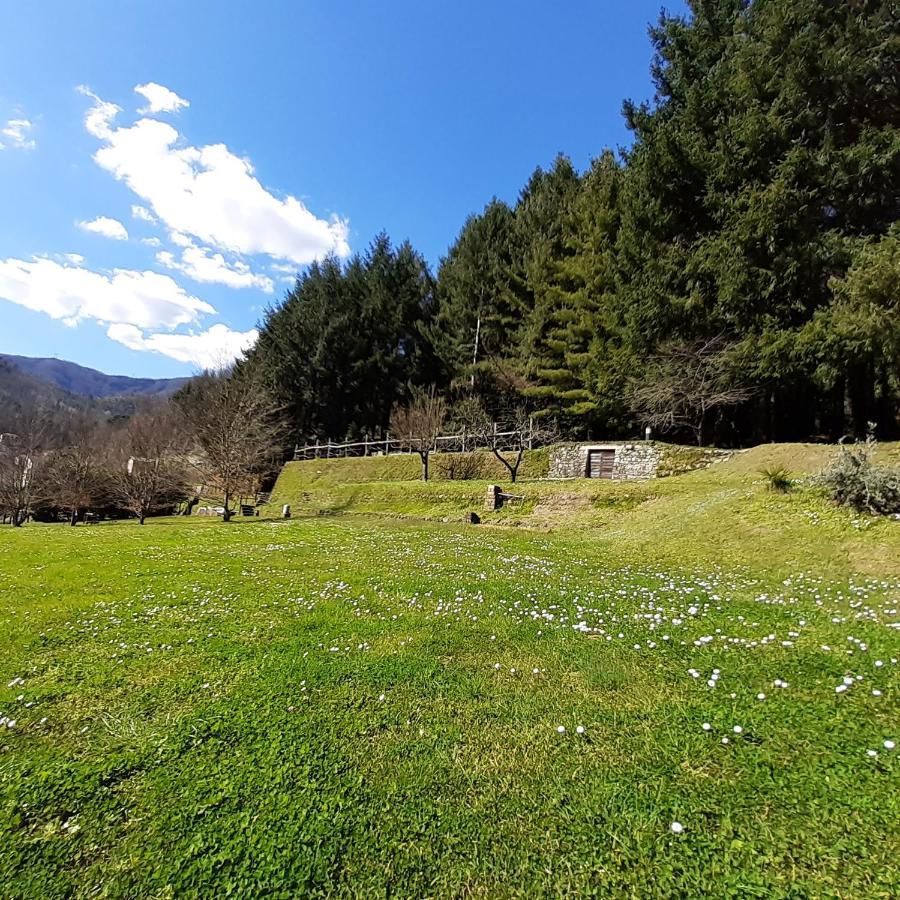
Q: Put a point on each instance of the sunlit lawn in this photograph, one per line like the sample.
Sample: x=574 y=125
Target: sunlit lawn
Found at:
x=345 y=706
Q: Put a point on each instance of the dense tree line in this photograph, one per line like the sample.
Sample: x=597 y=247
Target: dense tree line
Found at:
x=348 y=342
x=733 y=276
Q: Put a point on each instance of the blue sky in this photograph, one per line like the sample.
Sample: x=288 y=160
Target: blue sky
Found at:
x=144 y=232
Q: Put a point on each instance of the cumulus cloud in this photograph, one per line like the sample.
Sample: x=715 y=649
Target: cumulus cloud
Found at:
x=71 y=293
x=201 y=264
x=15 y=134
x=208 y=193
x=111 y=228
x=143 y=214
x=210 y=349
x=159 y=99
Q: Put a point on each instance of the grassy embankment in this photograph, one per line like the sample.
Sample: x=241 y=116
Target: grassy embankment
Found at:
x=368 y=706
x=723 y=511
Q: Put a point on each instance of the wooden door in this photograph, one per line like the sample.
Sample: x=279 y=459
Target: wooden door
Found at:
x=600 y=463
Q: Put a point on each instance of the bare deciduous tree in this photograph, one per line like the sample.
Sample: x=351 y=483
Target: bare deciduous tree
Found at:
x=151 y=467
x=519 y=432
x=418 y=424
x=76 y=477
x=21 y=463
x=236 y=425
x=683 y=384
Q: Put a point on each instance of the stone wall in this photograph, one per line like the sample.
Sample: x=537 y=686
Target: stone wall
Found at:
x=633 y=461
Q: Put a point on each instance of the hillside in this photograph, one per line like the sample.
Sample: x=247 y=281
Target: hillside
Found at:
x=720 y=514
x=20 y=393
x=86 y=382
x=23 y=393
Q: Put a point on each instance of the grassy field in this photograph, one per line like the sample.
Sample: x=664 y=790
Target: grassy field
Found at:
x=366 y=705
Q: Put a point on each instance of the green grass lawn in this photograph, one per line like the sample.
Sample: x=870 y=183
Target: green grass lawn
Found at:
x=370 y=706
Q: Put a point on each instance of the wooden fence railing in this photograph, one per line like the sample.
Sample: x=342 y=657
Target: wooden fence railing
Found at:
x=447 y=443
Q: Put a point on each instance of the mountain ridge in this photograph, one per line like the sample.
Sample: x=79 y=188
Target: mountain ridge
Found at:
x=87 y=382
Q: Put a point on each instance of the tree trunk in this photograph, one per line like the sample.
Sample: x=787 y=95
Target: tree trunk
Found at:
x=73 y=519
x=141 y=518
x=514 y=469
x=772 y=410
x=424 y=457
x=226 y=515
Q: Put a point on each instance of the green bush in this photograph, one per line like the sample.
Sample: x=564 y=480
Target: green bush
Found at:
x=853 y=479
x=778 y=478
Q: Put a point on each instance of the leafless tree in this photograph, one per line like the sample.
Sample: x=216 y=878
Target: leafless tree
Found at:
x=76 y=477
x=509 y=441
x=683 y=383
x=150 y=469
x=237 y=429
x=21 y=463
x=418 y=424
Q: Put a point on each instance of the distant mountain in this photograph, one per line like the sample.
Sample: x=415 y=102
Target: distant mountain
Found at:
x=86 y=382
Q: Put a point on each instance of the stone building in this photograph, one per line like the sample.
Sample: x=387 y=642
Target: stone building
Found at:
x=618 y=461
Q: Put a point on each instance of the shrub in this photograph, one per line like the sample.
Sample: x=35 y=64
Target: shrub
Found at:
x=778 y=478
x=461 y=466
x=853 y=479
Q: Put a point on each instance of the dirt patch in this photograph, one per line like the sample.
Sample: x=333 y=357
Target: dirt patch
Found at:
x=559 y=508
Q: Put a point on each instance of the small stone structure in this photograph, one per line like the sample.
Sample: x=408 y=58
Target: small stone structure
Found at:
x=496 y=497
x=621 y=461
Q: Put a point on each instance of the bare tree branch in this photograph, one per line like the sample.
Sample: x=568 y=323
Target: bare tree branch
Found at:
x=509 y=449
x=150 y=470
x=683 y=383
x=418 y=424
x=22 y=458
x=237 y=427
x=76 y=477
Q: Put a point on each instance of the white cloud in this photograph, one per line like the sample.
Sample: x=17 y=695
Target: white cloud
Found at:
x=143 y=214
x=210 y=349
x=203 y=265
x=151 y=241
x=208 y=192
x=99 y=117
x=159 y=99
x=73 y=293
x=111 y=228
x=180 y=240
x=16 y=133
